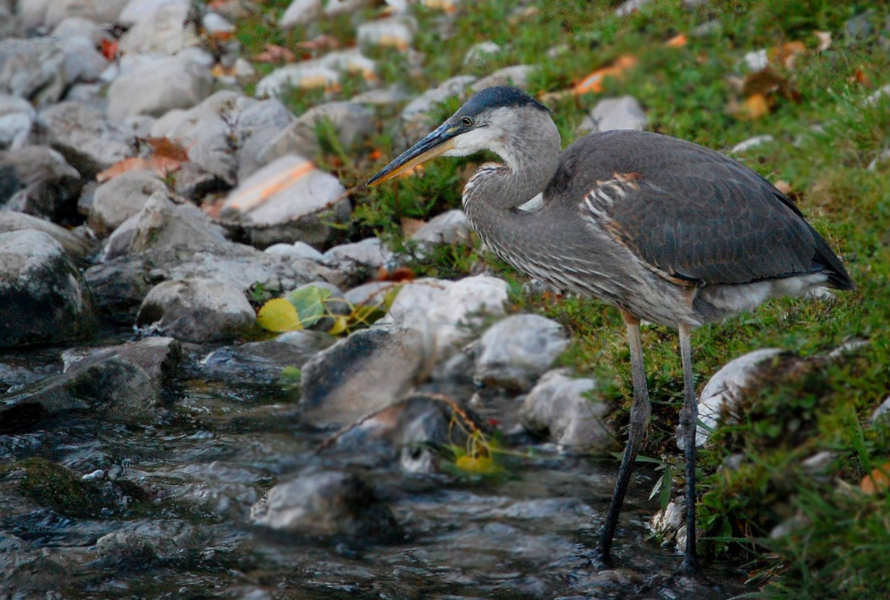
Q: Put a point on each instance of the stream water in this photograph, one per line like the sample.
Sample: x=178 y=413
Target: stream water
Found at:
x=187 y=481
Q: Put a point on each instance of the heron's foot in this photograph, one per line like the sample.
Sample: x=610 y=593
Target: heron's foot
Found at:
x=600 y=559
x=690 y=565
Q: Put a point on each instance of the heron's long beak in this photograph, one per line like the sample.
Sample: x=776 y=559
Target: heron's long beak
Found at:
x=436 y=143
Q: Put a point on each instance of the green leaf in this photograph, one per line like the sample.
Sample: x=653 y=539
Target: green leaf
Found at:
x=278 y=315
x=309 y=302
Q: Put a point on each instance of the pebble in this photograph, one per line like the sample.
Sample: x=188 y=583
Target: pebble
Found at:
x=751 y=143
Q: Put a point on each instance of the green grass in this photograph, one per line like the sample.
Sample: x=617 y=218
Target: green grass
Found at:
x=825 y=136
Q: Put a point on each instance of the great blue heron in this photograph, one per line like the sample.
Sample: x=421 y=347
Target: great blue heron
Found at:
x=663 y=229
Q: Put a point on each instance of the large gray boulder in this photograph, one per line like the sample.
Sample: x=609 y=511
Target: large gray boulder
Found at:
x=610 y=114
x=84 y=137
x=37 y=180
x=197 y=310
x=17 y=118
x=77 y=247
x=33 y=70
x=43 y=297
x=120 y=198
x=518 y=350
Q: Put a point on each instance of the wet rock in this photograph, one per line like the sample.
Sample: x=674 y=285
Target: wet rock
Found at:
x=297 y=249
x=447 y=313
x=166 y=541
x=36 y=180
x=309 y=74
x=197 y=310
x=301 y=12
x=365 y=372
x=261 y=363
x=325 y=504
x=77 y=247
x=728 y=387
x=43 y=297
x=449 y=227
x=518 y=350
x=120 y=198
x=394 y=32
x=481 y=52
x=158 y=87
x=169 y=31
x=516 y=76
x=113 y=388
x=615 y=113
x=351 y=122
x=46 y=484
x=160 y=357
x=289 y=199
x=366 y=254
x=751 y=143
x=84 y=137
x=137 y=11
x=16 y=121
x=100 y=11
x=80 y=27
x=560 y=408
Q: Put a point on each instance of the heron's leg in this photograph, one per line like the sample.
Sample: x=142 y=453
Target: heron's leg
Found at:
x=639 y=419
x=689 y=422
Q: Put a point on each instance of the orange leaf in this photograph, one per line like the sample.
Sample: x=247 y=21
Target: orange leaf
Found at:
x=876 y=481
x=754 y=107
x=167 y=148
x=786 y=54
x=861 y=78
x=108 y=48
x=274 y=54
x=375 y=154
x=594 y=81
x=678 y=41
x=320 y=43
x=161 y=165
x=402 y=274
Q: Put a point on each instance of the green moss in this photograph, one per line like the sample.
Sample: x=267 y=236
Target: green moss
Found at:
x=48 y=484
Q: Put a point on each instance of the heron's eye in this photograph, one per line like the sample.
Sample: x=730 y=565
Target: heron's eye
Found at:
x=468 y=121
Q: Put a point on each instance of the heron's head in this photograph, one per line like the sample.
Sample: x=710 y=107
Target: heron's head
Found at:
x=487 y=121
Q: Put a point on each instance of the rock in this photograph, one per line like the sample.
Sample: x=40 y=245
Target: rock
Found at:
x=197 y=310
x=260 y=363
x=615 y=113
x=80 y=27
x=707 y=29
x=77 y=247
x=449 y=227
x=372 y=293
x=368 y=254
x=481 y=52
x=100 y=11
x=16 y=121
x=46 y=484
x=338 y=7
x=297 y=249
x=215 y=24
x=113 y=388
x=258 y=126
x=193 y=183
x=351 y=62
x=728 y=387
x=120 y=198
x=516 y=76
x=309 y=74
x=161 y=358
x=369 y=370
x=859 y=28
x=877 y=96
x=757 y=61
x=36 y=180
x=171 y=30
x=157 y=541
x=291 y=199
x=137 y=11
x=818 y=465
x=670 y=523
x=10 y=24
x=82 y=135
x=394 y=32
x=301 y=12
x=447 y=312
x=325 y=504
x=630 y=6
x=387 y=96
x=33 y=70
x=351 y=122
x=158 y=87
x=416 y=120
x=518 y=350
x=881 y=411
x=43 y=297
x=751 y=143
x=559 y=407
x=880 y=159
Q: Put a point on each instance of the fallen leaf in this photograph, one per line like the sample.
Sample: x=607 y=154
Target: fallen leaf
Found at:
x=594 y=81
x=824 y=38
x=319 y=43
x=401 y=274
x=108 y=48
x=763 y=82
x=861 y=78
x=876 y=481
x=786 y=54
x=411 y=226
x=784 y=187
x=478 y=465
x=275 y=54
x=166 y=147
x=754 y=107
x=678 y=41
x=162 y=165
x=375 y=154
x=279 y=315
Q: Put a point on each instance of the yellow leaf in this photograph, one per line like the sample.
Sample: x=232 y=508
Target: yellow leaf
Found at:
x=754 y=107
x=480 y=465
x=340 y=325
x=279 y=315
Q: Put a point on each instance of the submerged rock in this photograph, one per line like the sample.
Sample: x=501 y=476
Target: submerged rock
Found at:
x=261 y=363
x=518 y=350
x=325 y=504
x=142 y=543
x=43 y=297
x=558 y=407
x=160 y=357
x=197 y=310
